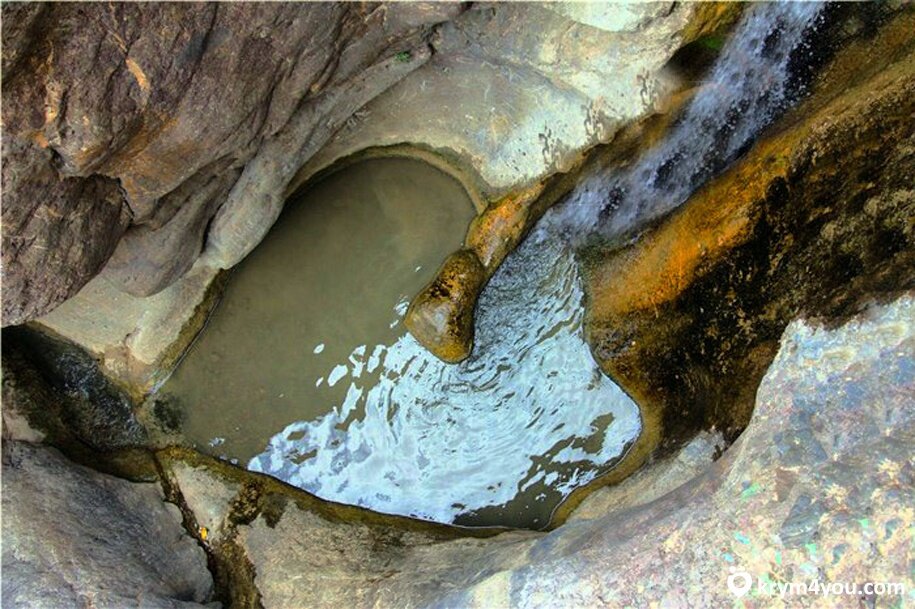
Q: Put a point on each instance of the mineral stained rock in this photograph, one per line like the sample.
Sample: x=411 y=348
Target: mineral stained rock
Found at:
x=73 y=537
x=441 y=315
x=811 y=221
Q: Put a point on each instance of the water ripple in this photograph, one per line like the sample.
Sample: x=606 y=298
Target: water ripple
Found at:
x=512 y=430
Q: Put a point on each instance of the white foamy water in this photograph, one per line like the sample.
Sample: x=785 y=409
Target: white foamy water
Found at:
x=519 y=425
x=748 y=88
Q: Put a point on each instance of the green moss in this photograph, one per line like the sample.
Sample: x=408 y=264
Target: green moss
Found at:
x=712 y=41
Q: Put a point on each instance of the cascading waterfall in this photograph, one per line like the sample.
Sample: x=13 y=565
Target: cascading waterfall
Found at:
x=748 y=88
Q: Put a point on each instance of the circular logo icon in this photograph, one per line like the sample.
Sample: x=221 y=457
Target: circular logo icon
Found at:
x=739 y=582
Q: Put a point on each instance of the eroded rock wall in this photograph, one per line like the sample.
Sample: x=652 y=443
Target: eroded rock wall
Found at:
x=126 y=126
x=516 y=91
x=512 y=94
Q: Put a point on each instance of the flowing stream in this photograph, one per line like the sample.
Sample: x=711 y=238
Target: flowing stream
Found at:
x=305 y=371
x=749 y=86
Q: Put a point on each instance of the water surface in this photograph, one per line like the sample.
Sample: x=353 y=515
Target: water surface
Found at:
x=306 y=373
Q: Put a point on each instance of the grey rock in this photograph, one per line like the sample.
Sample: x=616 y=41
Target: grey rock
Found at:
x=515 y=91
x=208 y=497
x=73 y=537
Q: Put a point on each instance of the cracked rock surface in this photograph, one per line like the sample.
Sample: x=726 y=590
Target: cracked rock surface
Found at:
x=73 y=537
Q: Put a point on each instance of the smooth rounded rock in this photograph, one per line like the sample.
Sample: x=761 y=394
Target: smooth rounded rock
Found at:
x=73 y=537
x=441 y=315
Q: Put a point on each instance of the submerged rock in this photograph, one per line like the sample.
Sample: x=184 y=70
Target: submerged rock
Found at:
x=73 y=537
x=441 y=315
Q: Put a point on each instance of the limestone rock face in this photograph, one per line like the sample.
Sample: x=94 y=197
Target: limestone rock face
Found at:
x=147 y=118
x=75 y=538
x=516 y=91
x=137 y=340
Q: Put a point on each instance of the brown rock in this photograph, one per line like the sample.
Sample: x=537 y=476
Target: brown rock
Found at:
x=497 y=231
x=57 y=233
x=441 y=315
x=144 y=114
x=812 y=221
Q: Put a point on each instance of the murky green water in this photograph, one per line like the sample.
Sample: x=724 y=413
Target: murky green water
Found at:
x=306 y=373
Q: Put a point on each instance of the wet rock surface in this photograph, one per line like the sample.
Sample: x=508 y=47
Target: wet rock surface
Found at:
x=59 y=387
x=813 y=221
x=441 y=315
x=654 y=481
x=810 y=222
x=277 y=546
x=73 y=537
x=818 y=486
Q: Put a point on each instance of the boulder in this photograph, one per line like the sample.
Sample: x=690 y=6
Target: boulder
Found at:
x=440 y=317
x=73 y=537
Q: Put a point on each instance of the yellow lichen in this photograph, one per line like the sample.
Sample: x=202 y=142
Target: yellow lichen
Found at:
x=137 y=72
